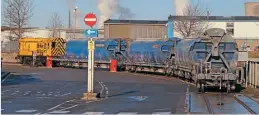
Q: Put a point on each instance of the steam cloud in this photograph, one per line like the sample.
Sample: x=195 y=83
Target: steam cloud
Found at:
x=108 y=8
x=180 y=6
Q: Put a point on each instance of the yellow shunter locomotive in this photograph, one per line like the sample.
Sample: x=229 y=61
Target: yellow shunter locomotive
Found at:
x=39 y=49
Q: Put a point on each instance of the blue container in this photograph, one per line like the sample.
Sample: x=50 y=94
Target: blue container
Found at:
x=104 y=49
x=151 y=52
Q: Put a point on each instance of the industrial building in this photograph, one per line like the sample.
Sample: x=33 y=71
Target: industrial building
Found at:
x=240 y=27
x=135 y=29
x=252 y=8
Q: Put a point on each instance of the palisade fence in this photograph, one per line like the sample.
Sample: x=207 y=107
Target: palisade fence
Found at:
x=252 y=72
x=9 y=51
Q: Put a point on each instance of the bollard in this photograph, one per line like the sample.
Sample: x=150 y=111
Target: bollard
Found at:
x=113 y=66
x=49 y=62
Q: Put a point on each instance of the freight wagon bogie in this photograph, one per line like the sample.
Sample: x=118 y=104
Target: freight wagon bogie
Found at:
x=28 y=60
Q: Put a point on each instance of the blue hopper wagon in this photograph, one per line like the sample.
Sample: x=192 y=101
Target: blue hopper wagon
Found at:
x=105 y=50
x=150 y=55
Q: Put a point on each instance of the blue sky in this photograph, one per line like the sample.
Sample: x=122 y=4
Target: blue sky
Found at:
x=143 y=9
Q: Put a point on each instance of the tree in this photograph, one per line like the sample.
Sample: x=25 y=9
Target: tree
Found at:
x=190 y=25
x=55 y=24
x=17 y=14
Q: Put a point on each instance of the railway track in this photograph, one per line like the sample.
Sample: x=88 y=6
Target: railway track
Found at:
x=219 y=103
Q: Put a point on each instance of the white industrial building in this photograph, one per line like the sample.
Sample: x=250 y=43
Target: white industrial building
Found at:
x=241 y=27
x=30 y=33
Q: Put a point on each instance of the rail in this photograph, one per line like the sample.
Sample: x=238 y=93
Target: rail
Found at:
x=244 y=105
x=208 y=104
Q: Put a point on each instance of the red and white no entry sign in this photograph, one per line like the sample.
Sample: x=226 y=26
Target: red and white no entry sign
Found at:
x=90 y=19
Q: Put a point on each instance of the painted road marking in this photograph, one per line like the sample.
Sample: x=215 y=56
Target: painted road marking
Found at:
x=61 y=104
x=159 y=113
x=127 y=113
x=6 y=78
x=66 y=94
x=57 y=112
x=69 y=107
x=93 y=113
x=26 y=111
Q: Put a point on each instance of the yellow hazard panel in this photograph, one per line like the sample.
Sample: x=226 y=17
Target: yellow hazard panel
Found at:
x=42 y=46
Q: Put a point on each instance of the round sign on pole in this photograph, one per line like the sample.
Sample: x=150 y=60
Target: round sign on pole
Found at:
x=90 y=19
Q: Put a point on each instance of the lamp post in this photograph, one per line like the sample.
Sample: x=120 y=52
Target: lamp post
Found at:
x=75 y=21
x=10 y=23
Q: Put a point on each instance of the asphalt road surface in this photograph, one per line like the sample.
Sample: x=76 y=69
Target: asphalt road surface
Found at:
x=59 y=91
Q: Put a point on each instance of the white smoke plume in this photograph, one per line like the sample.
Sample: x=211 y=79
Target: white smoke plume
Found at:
x=108 y=8
x=125 y=13
x=180 y=6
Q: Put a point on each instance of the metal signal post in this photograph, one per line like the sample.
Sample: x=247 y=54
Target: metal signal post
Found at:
x=90 y=20
x=91 y=47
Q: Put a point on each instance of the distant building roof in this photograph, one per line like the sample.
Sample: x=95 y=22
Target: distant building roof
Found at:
x=3 y=28
x=116 y=21
x=216 y=18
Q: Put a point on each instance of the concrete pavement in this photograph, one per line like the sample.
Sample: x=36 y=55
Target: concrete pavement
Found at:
x=58 y=91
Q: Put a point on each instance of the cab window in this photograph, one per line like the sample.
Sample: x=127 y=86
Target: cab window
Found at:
x=53 y=45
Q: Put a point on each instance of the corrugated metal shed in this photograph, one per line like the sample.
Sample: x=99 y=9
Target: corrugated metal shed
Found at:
x=153 y=22
x=135 y=29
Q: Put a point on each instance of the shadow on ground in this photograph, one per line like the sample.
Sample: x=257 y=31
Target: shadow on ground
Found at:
x=14 y=79
x=124 y=93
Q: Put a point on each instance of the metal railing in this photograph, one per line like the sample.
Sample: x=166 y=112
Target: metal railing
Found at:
x=10 y=47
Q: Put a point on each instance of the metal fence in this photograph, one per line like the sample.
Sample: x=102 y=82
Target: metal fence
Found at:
x=10 y=46
x=252 y=76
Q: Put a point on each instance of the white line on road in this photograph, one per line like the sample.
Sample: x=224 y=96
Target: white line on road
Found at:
x=168 y=113
x=93 y=113
x=127 y=113
x=26 y=111
x=66 y=94
x=60 y=104
x=6 y=77
x=68 y=107
x=59 y=112
x=107 y=92
x=102 y=85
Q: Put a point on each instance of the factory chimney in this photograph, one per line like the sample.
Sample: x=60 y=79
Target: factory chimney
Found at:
x=69 y=21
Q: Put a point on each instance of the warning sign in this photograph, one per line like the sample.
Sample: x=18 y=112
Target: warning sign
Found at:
x=91 y=45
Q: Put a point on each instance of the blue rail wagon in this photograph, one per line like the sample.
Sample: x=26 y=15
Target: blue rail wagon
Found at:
x=105 y=50
x=209 y=61
x=150 y=55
